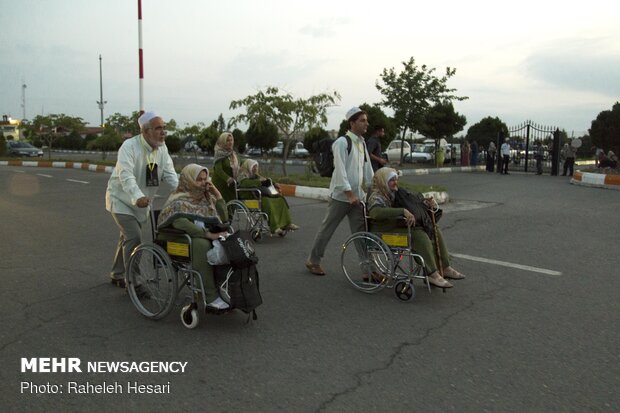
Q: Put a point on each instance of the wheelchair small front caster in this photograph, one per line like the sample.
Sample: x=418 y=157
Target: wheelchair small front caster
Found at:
x=404 y=290
x=256 y=235
x=189 y=315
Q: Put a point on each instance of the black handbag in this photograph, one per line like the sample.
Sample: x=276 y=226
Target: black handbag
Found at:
x=239 y=250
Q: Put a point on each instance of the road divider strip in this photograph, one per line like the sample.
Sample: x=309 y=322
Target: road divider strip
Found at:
x=597 y=180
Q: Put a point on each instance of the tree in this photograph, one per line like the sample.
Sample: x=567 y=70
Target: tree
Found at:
x=441 y=122
x=2 y=144
x=290 y=115
x=173 y=143
x=605 y=129
x=221 y=125
x=240 y=141
x=110 y=140
x=262 y=134
x=411 y=93
x=47 y=127
x=486 y=131
x=124 y=124
x=314 y=135
x=208 y=137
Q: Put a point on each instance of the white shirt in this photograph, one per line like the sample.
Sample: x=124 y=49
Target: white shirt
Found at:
x=351 y=173
x=128 y=181
x=505 y=149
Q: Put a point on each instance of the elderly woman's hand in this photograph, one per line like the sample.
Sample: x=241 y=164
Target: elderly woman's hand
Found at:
x=431 y=203
x=409 y=218
x=213 y=190
x=216 y=235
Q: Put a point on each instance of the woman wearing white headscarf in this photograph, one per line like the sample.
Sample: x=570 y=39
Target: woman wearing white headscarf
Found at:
x=195 y=199
x=225 y=166
x=275 y=206
x=381 y=211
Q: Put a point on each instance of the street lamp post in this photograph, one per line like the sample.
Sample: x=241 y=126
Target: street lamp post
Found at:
x=101 y=102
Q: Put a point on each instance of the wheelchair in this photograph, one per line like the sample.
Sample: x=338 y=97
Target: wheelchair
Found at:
x=386 y=259
x=158 y=271
x=245 y=212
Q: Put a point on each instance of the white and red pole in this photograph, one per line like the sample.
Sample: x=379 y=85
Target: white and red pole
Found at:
x=140 y=56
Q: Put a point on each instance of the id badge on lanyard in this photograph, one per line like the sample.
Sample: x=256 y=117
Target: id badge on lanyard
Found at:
x=151 y=175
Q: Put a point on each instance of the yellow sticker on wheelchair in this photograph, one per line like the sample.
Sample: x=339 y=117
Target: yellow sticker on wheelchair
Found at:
x=251 y=203
x=178 y=249
x=395 y=240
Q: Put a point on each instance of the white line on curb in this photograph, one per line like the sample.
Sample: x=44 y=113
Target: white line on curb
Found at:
x=79 y=182
x=507 y=264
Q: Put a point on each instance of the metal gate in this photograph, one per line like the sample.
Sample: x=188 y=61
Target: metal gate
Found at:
x=523 y=139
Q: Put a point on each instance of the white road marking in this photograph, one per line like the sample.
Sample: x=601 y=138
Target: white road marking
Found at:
x=507 y=264
x=45 y=176
x=21 y=172
x=79 y=182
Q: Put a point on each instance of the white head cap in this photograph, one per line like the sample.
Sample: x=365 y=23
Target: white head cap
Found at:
x=145 y=118
x=353 y=111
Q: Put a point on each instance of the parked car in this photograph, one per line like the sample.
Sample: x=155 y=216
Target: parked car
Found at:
x=417 y=153
x=299 y=151
x=19 y=148
x=253 y=151
x=278 y=149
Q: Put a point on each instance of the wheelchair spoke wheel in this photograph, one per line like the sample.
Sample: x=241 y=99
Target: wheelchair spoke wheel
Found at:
x=366 y=262
x=152 y=281
x=240 y=217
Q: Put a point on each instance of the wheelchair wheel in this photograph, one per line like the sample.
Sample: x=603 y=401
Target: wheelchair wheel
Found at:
x=239 y=215
x=256 y=234
x=404 y=290
x=366 y=262
x=152 y=281
x=189 y=315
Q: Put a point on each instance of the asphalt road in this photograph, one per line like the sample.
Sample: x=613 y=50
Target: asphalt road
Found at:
x=530 y=329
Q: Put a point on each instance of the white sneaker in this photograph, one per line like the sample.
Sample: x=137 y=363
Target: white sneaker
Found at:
x=218 y=304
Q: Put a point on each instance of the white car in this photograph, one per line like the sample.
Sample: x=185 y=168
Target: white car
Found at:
x=419 y=153
x=299 y=151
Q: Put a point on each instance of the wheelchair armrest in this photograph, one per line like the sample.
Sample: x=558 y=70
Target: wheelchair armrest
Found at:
x=170 y=230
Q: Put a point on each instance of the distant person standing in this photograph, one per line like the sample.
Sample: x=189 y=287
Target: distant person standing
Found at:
x=597 y=155
x=465 y=154
x=142 y=163
x=474 y=153
x=491 y=157
x=568 y=154
x=538 y=155
x=505 y=151
x=373 y=144
x=352 y=176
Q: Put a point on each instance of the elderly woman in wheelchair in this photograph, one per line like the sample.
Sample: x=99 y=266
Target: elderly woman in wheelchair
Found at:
x=269 y=204
x=191 y=209
x=426 y=239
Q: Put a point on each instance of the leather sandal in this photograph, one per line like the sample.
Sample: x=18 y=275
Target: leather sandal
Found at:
x=452 y=274
x=439 y=281
x=315 y=268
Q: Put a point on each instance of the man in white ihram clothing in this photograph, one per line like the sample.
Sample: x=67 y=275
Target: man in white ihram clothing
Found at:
x=352 y=175
x=142 y=164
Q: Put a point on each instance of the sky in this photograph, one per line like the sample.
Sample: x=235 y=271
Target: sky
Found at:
x=554 y=63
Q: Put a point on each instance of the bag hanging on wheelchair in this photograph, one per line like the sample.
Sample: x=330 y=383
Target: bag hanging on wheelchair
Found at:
x=239 y=250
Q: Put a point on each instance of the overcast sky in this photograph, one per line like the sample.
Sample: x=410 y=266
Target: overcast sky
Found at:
x=556 y=63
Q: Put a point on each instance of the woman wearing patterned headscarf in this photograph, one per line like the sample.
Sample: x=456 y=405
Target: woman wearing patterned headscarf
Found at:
x=195 y=199
x=225 y=166
x=275 y=206
x=381 y=210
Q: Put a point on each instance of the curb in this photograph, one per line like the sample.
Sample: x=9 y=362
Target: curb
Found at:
x=596 y=180
x=286 y=190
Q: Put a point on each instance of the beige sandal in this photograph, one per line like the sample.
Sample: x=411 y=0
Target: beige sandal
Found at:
x=452 y=274
x=438 y=281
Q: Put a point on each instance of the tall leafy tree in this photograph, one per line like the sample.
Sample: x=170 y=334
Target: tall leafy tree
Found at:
x=124 y=124
x=262 y=135
x=411 y=92
x=441 y=121
x=486 y=131
x=51 y=127
x=290 y=115
x=605 y=129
